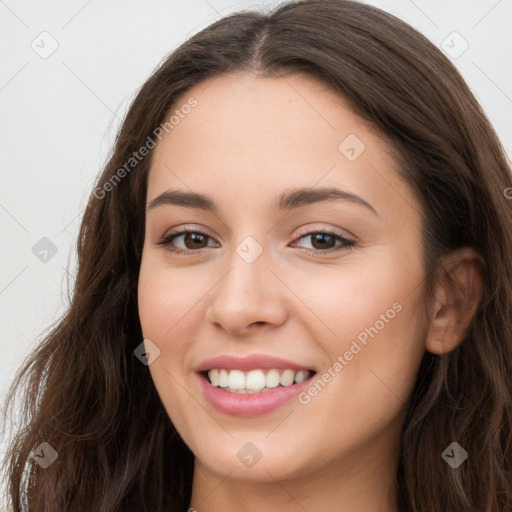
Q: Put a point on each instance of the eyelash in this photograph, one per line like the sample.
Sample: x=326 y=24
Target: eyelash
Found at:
x=347 y=244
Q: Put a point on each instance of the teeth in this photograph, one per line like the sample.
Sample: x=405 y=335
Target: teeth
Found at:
x=236 y=379
x=214 y=377
x=272 y=379
x=223 y=379
x=302 y=375
x=287 y=378
x=255 y=381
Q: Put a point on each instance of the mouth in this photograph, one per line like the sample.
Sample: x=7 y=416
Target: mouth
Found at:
x=252 y=393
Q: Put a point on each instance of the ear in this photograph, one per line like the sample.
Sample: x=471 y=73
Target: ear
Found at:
x=456 y=300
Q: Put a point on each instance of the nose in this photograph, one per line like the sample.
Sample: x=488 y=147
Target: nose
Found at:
x=249 y=296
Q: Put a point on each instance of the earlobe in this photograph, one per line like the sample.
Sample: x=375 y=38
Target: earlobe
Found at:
x=458 y=296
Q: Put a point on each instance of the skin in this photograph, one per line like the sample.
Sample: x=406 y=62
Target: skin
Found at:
x=248 y=140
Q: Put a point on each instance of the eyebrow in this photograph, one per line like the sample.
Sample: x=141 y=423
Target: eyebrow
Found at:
x=294 y=198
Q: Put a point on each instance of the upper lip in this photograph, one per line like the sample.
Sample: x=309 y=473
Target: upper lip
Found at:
x=252 y=362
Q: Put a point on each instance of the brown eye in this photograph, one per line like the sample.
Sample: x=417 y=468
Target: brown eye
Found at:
x=193 y=242
x=322 y=241
x=325 y=241
x=194 y=239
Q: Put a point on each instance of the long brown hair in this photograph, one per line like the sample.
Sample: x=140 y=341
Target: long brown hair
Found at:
x=94 y=403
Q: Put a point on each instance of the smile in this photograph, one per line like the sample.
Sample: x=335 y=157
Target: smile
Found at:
x=239 y=398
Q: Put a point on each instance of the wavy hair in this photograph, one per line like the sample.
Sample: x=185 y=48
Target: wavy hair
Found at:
x=85 y=393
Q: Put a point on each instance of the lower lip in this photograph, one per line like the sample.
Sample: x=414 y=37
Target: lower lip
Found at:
x=238 y=404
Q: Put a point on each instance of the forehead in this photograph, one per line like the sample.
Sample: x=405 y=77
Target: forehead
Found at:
x=253 y=110
x=250 y=134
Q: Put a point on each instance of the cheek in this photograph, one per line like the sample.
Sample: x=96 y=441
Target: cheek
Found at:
x=363 y=392
x=373 y=331
x=163 y=303
x=165 y=297
x=368 y=385
x=361 y=293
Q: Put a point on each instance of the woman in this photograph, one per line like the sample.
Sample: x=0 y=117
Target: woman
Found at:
x=212 y=361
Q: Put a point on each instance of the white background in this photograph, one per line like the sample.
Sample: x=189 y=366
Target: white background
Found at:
x=59 y=116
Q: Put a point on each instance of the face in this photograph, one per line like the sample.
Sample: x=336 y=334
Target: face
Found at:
x=281 y=280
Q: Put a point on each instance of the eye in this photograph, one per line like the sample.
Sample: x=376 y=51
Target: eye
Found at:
x=322 y=242
x=194 y=238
